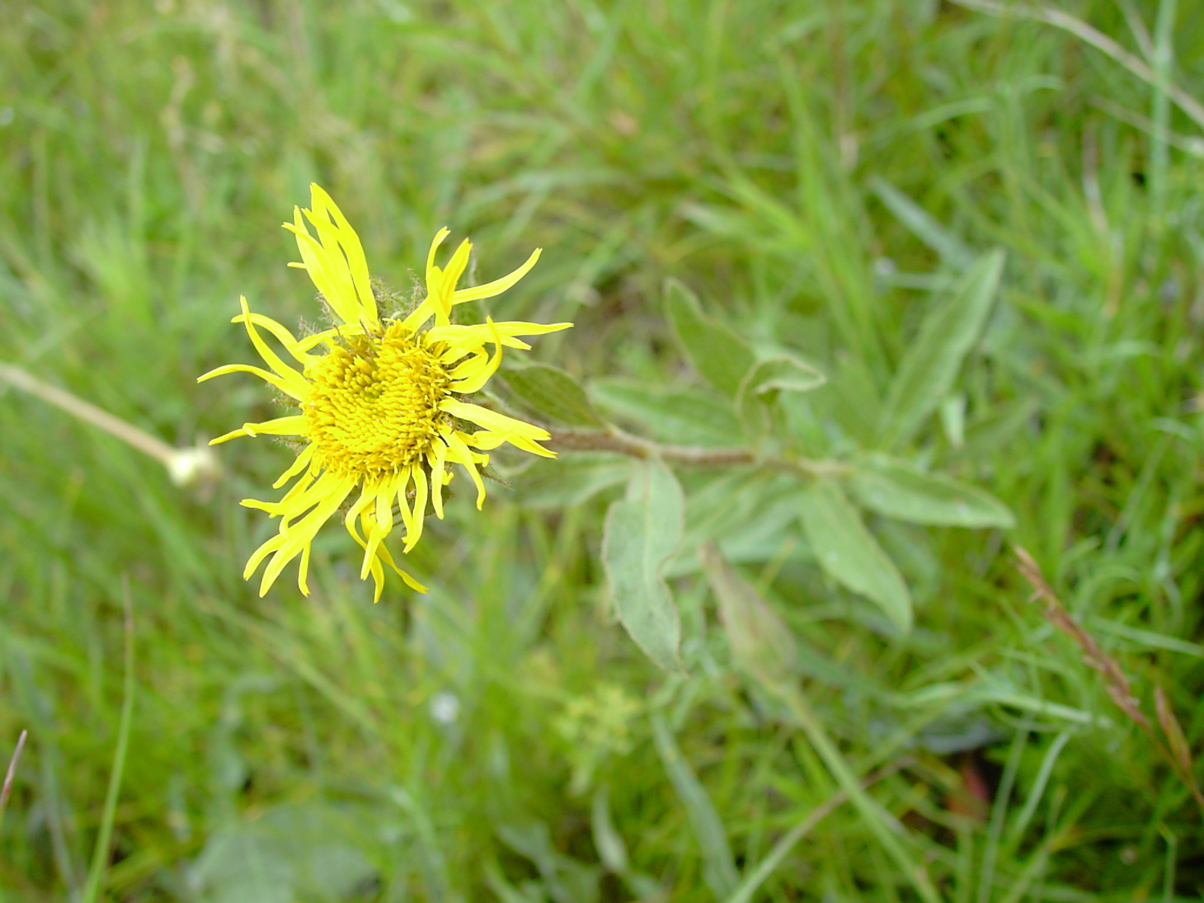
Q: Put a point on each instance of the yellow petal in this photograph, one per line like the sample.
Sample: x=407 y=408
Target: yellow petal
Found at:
x=302 y=462
x=414 y=531
x=490 y=289
x=474 y=374
x=269 y=356
x=491 y=420
x=347 y=239
x=286 y=338
x=293 y=388
x=460 y=453
x=437 y=472
x=281 y=426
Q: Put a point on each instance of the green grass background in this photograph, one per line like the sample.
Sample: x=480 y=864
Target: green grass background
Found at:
x=289 y=749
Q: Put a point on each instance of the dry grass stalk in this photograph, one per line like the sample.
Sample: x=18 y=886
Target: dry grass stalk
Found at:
x=12 y=771
x=1175 y=750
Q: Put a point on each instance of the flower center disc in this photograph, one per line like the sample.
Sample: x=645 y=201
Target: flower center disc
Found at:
x=374 y=403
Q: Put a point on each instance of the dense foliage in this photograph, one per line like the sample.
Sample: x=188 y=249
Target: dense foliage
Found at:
x=868 y=297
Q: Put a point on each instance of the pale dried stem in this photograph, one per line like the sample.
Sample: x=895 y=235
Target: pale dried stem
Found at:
x=90 y=413
x=185 y=466
x=12 y=771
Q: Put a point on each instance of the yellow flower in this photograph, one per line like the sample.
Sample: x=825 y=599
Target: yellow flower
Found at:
x=380 y=401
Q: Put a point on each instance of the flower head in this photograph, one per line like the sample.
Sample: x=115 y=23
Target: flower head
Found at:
x=380 y=401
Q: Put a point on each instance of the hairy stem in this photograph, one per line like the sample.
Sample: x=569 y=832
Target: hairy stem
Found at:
x=690 y=456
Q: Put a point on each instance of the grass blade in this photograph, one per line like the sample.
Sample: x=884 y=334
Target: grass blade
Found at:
x=719 y=868
x=100 y=855
x=931 y=364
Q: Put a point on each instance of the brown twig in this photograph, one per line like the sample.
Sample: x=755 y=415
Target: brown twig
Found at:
x=1175 y=750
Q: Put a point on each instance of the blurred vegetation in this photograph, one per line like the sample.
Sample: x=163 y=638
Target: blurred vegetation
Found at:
x=819 y=175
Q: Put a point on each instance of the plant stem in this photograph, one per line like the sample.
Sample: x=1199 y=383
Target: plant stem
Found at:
x=689 y=456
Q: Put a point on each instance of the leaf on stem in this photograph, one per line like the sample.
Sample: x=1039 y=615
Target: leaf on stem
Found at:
x=848 y=552
x=895 y=488
x=680 y=416
x=551 y=392
x=782 y=373
x=761 y=642
x=720 y=356
x=570 y=479
x=642 y=531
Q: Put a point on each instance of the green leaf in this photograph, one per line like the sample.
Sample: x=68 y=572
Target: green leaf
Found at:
x=718 y=865
x=953 y=419
x=678 y=416
x=760 y=641
x=569 y=479
x=311 y=846
x=607 y=840
x=851 y=402
x=894 y=488
x=240 y=865
x=782 y=373
x=750 y=514
x=922 y=224
x=642 y=531
x=931 y=364
x=848 y=552
x=720 y=356
x=554 y=394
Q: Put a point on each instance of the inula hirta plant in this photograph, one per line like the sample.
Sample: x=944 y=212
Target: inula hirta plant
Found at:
x=380 y=399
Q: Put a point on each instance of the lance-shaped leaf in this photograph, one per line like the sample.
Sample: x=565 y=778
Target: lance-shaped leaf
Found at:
x=682 y=416
x=896 y=489
x=552 y=393
x=931 y=364
x=761 y=642
x=848 y=552
x=720 y=356
x=642 y=531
